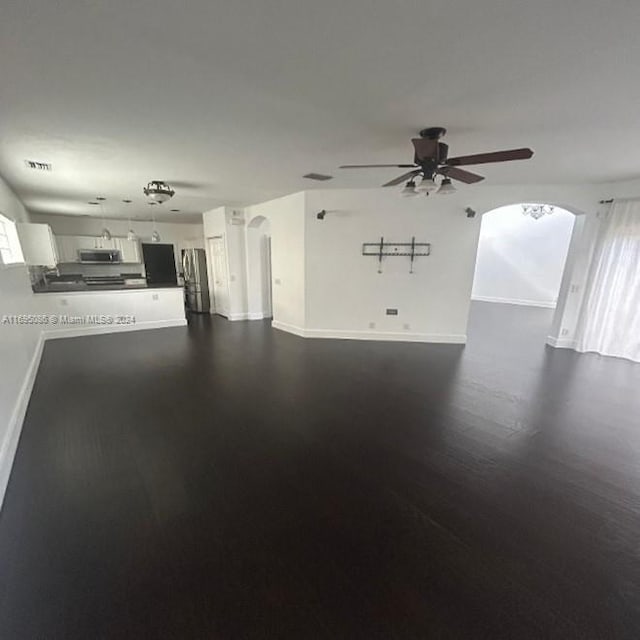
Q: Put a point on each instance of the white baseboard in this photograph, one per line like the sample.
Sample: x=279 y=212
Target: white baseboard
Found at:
x=238 y=316
x=289 y=328
x=9 y=445
x=258 y=315
x=88 y=330
x=389 y=336
x=561 y=343
x=547 y=304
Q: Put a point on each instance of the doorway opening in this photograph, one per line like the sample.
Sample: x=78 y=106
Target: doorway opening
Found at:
x=259 y=268
x=522 y=253
x=219 y=276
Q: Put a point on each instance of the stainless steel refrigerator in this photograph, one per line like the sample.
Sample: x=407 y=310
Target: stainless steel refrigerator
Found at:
x=194 y=267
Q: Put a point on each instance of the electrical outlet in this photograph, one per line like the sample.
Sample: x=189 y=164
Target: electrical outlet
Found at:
x=372 y=325
x=232 y=278
x=392 y=312
x=575 y=288
x=277 y=281
x=154 y=296
x=564 y=332
x=64 y=302
x=406 y=326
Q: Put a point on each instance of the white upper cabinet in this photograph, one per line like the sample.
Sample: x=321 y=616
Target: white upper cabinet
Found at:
x=129 y=249
x=70 y=246
x=38 y=244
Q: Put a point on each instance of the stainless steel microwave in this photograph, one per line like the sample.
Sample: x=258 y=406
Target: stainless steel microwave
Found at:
x=99 y=256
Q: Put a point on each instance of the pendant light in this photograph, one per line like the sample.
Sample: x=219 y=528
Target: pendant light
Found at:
x=155 y=236
x=105 y=234
x=131 y=234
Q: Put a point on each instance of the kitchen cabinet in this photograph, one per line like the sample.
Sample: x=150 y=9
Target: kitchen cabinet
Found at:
x=129 y=249
x=69 y=246
x=97 y=242
x=38 y=244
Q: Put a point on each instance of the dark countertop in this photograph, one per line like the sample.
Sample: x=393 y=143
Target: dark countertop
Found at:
x=83 y=287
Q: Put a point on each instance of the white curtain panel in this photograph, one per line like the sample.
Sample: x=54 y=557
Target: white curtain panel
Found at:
x=610 y=317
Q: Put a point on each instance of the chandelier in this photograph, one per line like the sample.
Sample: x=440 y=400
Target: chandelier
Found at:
x=158 y=191
x=537 y=211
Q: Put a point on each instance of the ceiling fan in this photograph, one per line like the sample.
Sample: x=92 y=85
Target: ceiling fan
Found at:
x=431 y=159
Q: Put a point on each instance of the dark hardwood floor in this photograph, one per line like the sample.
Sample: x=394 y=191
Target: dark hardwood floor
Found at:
x=230 y=481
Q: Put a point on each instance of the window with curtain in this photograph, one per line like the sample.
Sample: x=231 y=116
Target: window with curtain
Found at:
x=609 y=322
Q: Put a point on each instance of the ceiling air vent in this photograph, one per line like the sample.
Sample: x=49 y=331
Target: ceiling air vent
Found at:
x=317 y=176
x=38 y=166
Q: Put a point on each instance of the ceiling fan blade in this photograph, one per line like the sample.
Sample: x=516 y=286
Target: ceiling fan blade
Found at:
x=372 y=166
x=425 y=148
x=460 y=174
x=402 y=178
x=495 y=156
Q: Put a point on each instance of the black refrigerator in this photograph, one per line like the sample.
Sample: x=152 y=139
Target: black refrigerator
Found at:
x=159 y=264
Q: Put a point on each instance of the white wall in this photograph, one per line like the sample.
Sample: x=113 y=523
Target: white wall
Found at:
x=287 y=227
x=521 y=260
x=20 y=345
x=347 y=297
x=181 y=235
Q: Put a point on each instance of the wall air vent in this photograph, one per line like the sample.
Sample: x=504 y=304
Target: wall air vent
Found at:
x=38 y=166
x=317 y=176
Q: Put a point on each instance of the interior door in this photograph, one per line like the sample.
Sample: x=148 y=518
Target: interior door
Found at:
x=220 y=276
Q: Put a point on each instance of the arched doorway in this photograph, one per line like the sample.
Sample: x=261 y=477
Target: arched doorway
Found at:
x=259 y=268
x=521 y=258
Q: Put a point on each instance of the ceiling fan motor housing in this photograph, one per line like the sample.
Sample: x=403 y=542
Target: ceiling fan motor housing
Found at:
x=433 y=133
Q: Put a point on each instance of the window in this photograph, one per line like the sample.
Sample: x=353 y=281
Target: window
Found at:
x=10 y=251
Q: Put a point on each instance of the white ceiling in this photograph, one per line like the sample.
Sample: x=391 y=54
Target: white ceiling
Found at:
x=231 y=102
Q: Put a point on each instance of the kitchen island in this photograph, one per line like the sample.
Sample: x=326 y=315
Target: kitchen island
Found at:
x=74 y=287
x=105 y=309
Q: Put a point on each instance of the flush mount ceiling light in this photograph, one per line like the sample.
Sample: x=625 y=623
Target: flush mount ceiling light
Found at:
x=409 y=189
x=537 y=211
x=446 y=187
x=158 y=191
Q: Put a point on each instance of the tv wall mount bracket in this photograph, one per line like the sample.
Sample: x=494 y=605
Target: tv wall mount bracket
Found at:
x=384 y=249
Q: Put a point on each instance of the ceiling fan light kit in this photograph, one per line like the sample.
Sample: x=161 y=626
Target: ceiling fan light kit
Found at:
x=428 y=185
x=446 y=187
x=409 y=189
x=431 y=159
